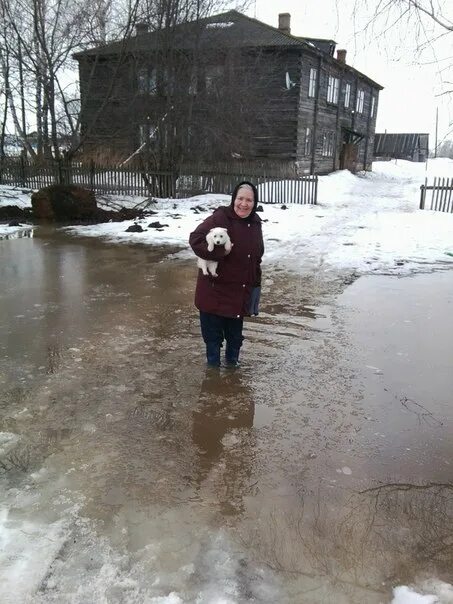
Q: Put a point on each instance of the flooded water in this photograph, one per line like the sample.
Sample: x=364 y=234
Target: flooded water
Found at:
x=320 y=471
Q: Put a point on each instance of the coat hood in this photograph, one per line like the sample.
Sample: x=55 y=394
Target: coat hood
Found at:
x=255 y=194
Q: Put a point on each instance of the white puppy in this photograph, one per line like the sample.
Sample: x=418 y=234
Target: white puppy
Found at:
x=216 y=236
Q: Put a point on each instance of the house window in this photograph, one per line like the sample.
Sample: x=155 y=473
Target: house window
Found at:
x=214 y=75
x=312 y=82
x=193 y=83
x=190 y=139
x=168 y=81
x=147 y=134
x=373 y=106
x=307 y=141
x=347 y=95
x=146 y=80
x=360 y=101
x=332 y=90
x=328 y=144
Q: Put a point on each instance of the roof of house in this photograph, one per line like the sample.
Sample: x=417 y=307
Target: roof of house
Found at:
x=400 y=143
x=226 y=30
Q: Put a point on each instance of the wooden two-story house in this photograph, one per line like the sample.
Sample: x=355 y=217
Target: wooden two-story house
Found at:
x=228 y=86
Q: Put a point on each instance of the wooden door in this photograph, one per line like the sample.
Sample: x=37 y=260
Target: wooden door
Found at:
x=348 y=157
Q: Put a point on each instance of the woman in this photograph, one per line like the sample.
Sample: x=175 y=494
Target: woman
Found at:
x=223 y=301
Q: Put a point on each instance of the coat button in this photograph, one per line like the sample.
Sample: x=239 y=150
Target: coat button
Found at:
x=238 y=316
x=243 y=285
x=248 y=256
x=248 y=224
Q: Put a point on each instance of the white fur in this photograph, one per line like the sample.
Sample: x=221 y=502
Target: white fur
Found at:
x=216 y=236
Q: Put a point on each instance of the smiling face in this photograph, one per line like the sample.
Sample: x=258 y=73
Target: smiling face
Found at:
x=244 y=202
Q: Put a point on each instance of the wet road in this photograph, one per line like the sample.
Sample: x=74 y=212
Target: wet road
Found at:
x=321 y=471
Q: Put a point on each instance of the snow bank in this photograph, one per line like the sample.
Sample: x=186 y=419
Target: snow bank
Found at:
x=364 y=223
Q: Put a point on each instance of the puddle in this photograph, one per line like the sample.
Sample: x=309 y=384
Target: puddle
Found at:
x=317 y=472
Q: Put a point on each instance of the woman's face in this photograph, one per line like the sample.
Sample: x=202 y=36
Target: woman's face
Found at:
x=243 y=204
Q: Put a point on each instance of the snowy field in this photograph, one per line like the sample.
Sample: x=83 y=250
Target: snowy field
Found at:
x=365 y=223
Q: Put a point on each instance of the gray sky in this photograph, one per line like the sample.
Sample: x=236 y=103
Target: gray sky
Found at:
x=408 y=102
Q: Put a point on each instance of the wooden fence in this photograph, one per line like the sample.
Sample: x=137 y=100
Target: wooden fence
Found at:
x=441 y=196
x=273 y=187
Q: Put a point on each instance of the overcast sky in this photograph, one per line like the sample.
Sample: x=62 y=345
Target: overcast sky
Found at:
x=408 y=102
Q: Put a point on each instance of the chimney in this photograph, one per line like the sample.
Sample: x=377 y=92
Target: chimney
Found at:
x=284 y=23
x=341 y=56
x=141 y=28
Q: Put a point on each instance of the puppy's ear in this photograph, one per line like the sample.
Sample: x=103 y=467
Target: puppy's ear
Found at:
x=210 y=242
x=228 y=245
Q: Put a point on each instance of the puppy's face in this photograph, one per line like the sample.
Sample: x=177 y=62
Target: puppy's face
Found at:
x=219 y=235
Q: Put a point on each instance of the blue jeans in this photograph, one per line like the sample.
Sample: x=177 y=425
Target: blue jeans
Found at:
x=214 y=330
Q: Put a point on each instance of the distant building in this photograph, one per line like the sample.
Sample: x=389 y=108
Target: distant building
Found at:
x=297 y=101
x=411 y=146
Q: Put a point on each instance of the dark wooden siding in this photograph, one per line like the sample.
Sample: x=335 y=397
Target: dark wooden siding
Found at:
x=113 y=108
x=107 y=110
x=325 y=118
x=276 y=135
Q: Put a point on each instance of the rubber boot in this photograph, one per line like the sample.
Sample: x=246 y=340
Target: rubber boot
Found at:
x=232 y=356
x=213 y=354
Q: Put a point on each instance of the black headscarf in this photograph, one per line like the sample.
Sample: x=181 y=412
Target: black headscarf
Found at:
x=255 y=195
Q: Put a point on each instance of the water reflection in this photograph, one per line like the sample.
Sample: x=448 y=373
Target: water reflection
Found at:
x=22 y=233
x=222 y=425
x=364 y=544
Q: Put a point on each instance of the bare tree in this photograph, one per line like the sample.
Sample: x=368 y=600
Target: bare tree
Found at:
x=185 y=97
x=424 y=27
x=39 y=38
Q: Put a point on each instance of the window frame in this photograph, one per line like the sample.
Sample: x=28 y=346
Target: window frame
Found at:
x=147 y=80
x=360 y=101
x=213 y=76
x=328 y=144
x=308 y=142
x=333 y=89
x=312 y=82
x=347 y=95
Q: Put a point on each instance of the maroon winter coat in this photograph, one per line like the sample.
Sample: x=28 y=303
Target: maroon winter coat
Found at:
x=228 y=295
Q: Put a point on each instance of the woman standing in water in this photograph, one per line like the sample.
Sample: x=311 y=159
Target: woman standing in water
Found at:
x=223 y=301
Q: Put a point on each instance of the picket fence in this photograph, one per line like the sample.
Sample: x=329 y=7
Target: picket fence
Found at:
x=441 y=196
x=273 y=186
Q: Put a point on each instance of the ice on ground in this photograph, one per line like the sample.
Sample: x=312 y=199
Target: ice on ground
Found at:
x=429 y=592
x=7 y=441
x=27 y=550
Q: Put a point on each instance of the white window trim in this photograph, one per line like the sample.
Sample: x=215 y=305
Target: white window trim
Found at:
x=333 y=87
x=328 y=144
x=312 y=82
x=360 y=100
x=308 y=142
x=347 y=95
